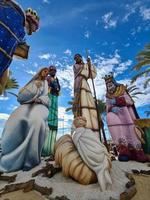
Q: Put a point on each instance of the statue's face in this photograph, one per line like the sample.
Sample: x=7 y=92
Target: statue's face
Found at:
x=111 y=87
x=78 y=59
x=52 y=72
x=44 y=73
x=30 y=27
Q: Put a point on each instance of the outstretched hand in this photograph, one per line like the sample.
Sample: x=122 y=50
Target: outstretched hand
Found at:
x=116 y=110
x=37 y=100
x=88 y=60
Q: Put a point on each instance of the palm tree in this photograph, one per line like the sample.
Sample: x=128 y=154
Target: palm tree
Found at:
x=101 y=106
x=133 y=91
x=11 y=84
x=142 y=67
x=71 y=104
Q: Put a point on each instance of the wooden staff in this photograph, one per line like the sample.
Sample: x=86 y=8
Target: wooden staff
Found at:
x=97 y=110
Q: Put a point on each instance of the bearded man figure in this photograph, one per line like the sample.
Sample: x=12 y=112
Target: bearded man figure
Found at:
x=84 y=103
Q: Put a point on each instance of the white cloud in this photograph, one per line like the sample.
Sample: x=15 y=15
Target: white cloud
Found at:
x=12 y=107
x=46 y=1
x=87 y=34
x=123 y=66
x=35 y=64
x=31 y=72
x=127 y=45
x=4 y=98
x=109 y=22
x=44 y=56
x=104 y=65
x=136 y=30
x=47 y=56
x=143 y=99
x=68 y=52
x=130 y=10
x=105 y=43
x=135 y=8
x=3 y=116
x=97 y=22
x=69 y=15
x=64 y=121
x=63 y=115
x=145 y=13
x=66 y=77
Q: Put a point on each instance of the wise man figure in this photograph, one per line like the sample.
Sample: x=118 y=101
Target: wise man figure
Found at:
x=54 y=90
x=121 y=114
x=14 y=24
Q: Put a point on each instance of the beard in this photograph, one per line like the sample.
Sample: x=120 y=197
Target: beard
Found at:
x=111 y=89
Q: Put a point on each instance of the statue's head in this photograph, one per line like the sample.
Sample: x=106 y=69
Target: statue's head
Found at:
x=32 y=21
x=52 y=70
x=111 y=83
x=78 y=58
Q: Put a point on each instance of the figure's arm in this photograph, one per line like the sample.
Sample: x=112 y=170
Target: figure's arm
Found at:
x=124 y=100
x=112 y=106
x=128 y=99
x=29 y=92
x=92 y=69
x=54 y=86
x=58 y=86
x=110 y=103
x=44 y=99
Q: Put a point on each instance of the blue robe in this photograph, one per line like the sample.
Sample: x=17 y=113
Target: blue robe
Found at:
x=24 y=134
x=12 y=20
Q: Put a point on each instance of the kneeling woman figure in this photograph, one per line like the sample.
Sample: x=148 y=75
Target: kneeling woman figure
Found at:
x=24 y=132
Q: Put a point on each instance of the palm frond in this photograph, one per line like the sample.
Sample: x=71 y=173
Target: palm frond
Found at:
x=68 y=109
x=11 y=84
x=132 y=88
x=13 y=94
x=137 y=93
x=134 y=91
x=146 y=83
x=141 y=64
x=70 y=102
x=143 y=55
x=134 y=97
x=148 y=46
x=101 y=106
x=145 y=73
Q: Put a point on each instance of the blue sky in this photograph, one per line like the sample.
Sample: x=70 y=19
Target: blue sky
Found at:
x=114 y=31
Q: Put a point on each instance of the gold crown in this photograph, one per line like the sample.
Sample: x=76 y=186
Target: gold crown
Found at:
x=108 y=77
x=32 y=13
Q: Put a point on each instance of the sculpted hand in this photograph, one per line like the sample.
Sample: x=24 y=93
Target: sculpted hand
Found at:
x=116 y=110
x=113 y=101
x=38 y=84
x=37 y=100
x=88 y=61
